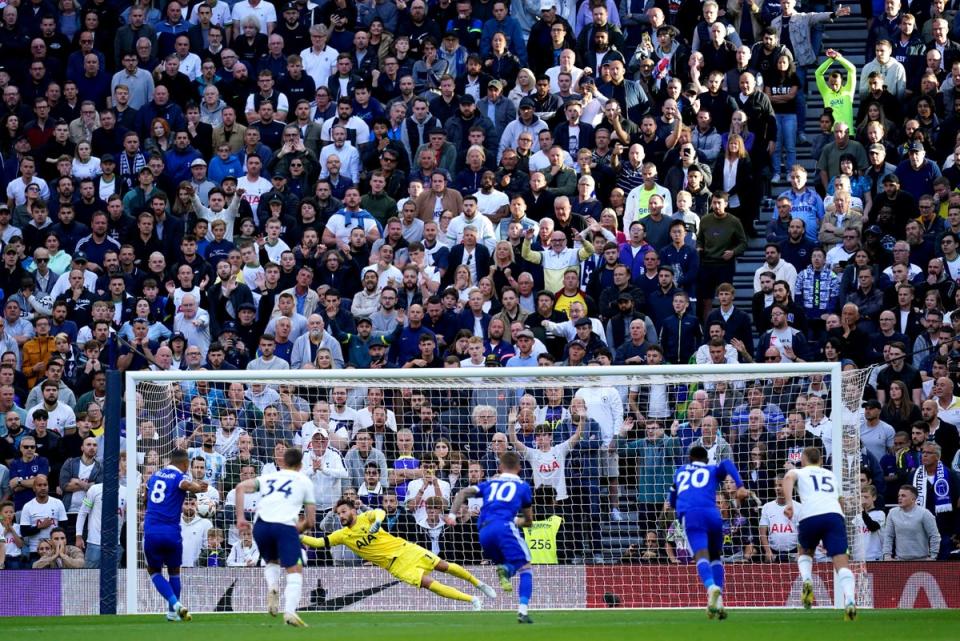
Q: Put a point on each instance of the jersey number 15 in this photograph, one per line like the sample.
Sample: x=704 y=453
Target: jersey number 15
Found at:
x=822 y=484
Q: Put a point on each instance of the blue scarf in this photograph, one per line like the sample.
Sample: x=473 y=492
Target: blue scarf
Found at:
x=941 y=488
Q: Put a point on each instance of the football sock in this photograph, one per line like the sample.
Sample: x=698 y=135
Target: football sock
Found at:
x=291 y=592
x=510 y=569
x=163 y=587
x=805 y=564
x=718 y=573
x=525 y=590
x=460 y=572
x=175 y=585
x=847 y=584
x=272 y=574
x=449 y=593
x=706 y=574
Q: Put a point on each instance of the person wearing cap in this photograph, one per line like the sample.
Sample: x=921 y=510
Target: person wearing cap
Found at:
x=917 y=172
x=458 y=126
x=629 y=94
x=878 y=169
x=453 y=53
x=527 y=122
x=198 y=179
x=496 y=107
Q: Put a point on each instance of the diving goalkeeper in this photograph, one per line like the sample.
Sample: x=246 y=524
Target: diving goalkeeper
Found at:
x=407 y=561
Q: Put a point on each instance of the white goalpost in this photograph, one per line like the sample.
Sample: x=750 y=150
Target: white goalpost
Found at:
x=600 y=445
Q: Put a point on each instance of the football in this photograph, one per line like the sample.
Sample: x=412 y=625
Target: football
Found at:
x=206 y=508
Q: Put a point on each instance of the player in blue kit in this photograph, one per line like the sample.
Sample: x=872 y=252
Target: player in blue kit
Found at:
x=504 y=498
x=694 y=498
x=162 y=543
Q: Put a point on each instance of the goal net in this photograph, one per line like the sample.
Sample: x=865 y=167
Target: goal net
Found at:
x=600 y=446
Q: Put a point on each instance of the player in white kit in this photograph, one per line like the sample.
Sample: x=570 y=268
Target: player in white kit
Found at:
x=821 y=519
x=277 y=529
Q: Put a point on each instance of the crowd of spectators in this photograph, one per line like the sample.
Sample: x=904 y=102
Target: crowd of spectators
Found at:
x=400 y=184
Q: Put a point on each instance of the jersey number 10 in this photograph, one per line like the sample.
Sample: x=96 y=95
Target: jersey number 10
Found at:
x=503 y=492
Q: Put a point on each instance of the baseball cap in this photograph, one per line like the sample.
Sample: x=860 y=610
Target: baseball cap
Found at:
x=80 y=257
x=578 y=343
x=450 y=33
x=107 y=158
x=321 y=432
x=178 y=337
x=587 y=79
x=546 y=5
x=467 y=99
x=526 y=101
x=275 y=199
x=199 y=162
x=249 y=306
x=873 y=404
x=915 y=146
x=229 y=326
x=364 y=319
x=876 y=147
x=496 y=84
x=624 y=297
x=375 y=346
x=873 y=229
x=524 y=333
x=613 y=56
x=290 y=6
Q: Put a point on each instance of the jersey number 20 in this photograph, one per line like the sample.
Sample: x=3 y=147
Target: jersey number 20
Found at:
x=697 y=479
x=502 y=492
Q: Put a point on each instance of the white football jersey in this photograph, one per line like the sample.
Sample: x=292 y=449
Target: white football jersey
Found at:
x=819 y=491
x=282 y=495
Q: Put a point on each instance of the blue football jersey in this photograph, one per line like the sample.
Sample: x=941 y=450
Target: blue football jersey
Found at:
x=164 y=499
x=695 y=485
x=503 y=497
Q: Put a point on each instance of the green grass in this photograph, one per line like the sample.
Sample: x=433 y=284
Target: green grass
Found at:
x=649 y=625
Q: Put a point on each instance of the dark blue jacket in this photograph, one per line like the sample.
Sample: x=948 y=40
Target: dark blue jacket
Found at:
x=680 y=336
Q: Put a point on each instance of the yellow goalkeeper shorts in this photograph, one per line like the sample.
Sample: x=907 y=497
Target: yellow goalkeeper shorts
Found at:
x=412 y=563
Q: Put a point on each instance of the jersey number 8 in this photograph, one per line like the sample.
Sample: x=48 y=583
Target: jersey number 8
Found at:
x=502 y=492
x=697 y=479
x=159 y=492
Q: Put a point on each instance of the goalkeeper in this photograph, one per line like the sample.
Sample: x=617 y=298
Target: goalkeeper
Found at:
x=407 y=561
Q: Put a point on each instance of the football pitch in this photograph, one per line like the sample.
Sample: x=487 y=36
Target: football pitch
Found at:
x=597 y=625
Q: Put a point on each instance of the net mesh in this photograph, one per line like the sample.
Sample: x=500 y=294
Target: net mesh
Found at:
x=600 y=451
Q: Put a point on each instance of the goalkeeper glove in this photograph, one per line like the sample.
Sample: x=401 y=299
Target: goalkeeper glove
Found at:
x=374 y=527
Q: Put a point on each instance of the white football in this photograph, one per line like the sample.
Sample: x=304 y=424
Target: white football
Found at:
x=206 y=507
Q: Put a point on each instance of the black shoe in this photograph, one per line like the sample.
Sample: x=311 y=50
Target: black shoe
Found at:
x=524 y=618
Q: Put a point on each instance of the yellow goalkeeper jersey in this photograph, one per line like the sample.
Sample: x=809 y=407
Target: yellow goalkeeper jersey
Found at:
x=380 y=548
